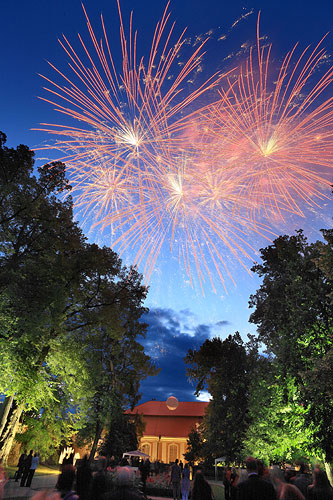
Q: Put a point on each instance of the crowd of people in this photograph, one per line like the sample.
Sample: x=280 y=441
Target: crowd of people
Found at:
x=257 y=482
x=107 y=480
x=104 y=481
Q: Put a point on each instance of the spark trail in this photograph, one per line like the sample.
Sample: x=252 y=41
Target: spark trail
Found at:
x=152 y=163
x=277 y=128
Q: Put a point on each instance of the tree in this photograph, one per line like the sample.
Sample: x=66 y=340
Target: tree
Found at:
x=317 y=395
x=54 y=287
x=325 y=259
x=38 y=241
x=195 y=446
x=114 y=366
x=123 y=435
x=225 y=368
x=277 y=415
x=293 y=313
x=47 y=429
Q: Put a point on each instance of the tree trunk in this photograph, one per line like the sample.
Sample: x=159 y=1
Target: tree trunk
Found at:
x=329 y=473
x=5 y=409
x=9 y=433
x=98 y=433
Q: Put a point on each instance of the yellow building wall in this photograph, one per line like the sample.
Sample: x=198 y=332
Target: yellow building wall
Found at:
x=165 y=449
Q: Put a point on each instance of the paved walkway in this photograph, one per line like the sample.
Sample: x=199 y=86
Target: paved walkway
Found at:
x=13 y=489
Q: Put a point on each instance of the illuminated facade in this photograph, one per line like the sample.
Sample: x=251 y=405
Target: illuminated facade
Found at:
x=166 y=430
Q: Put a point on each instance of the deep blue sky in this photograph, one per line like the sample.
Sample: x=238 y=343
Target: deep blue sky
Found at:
x=180 y=317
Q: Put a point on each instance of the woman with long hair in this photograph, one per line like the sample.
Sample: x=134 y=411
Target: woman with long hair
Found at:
x=320 y=489
x=185 y=482
x=201 y=488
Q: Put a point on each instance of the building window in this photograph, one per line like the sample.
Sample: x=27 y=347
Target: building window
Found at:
x=146 y=448
x=173 y=452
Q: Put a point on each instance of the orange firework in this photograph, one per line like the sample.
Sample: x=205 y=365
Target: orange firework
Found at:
x=274 y=130
x=132 y=167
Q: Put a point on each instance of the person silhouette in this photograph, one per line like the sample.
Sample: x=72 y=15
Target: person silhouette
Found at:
x=26 y=468
x=20 y=466
x=255 y=488
x=32 y=470
x=175 y=479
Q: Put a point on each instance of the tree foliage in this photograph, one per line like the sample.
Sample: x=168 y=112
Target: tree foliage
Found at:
x=277 y=430
x=224 y=367
x=46 y=430
x=195 y=451
x=64 y=303
x=293 y=313
x=278 y=406
x=114 y=367
x=123 y=435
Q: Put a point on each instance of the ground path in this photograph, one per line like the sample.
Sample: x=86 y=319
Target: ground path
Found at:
x=13 y=491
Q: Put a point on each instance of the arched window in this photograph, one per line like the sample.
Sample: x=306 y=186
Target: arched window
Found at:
x=173 y=452
x=146 y=448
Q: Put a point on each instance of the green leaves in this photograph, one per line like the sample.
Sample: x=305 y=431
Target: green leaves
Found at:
x=69 y=310
x=293 y=312
x=224 y=367
x=278 y=407
x=277 y=431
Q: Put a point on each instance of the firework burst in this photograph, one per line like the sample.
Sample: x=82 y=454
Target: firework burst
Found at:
x=276 y=130
x=159 y=168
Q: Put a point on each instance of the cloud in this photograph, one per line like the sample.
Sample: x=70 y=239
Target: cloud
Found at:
x=204 y=396
x=223 y=323
x=169 y=336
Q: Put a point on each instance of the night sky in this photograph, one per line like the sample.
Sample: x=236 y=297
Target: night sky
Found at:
x=180 y=316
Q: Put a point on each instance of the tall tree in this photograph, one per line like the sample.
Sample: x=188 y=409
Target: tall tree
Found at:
x=53 y=286
x=114 y=365
x=293 y=313
x=38 y=241
x=224 y=367
x=277 y=415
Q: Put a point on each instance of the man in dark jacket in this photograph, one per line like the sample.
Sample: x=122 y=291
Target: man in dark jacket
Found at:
x=176 y=475
x=255 y=488
x=27 y=464
x=144 y=468
x=20 y=466
x=302 y=479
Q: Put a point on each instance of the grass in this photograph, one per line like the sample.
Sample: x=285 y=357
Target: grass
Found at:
x=42 y=470
x=218 y=491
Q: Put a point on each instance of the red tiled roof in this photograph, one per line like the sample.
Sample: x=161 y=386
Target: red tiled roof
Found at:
x=159 y=408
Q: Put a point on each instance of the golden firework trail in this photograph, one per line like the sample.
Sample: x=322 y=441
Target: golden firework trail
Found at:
x=158 y=167
x=277 y=128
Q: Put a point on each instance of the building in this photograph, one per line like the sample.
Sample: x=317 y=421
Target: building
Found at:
x=167 y=429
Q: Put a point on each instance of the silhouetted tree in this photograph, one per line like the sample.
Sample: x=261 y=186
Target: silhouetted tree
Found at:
x=224 y=366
